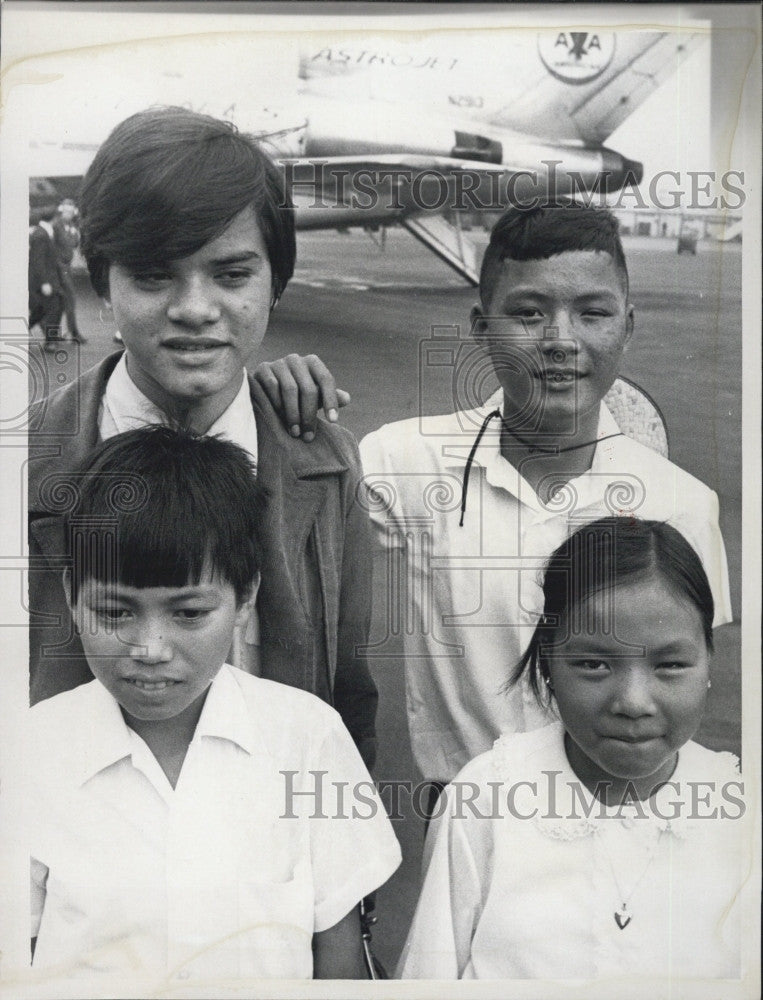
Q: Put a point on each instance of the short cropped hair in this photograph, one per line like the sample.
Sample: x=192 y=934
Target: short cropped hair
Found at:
x=600 y=556
x=167 y=181
x=545 y=230
x=158 y=507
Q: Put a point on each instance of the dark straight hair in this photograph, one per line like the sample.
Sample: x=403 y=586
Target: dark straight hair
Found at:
x=167 y=181
x=158 y=507
x=545 y=230
x=598 y=557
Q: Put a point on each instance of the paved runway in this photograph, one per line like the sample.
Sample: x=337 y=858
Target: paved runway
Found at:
x=366 y=312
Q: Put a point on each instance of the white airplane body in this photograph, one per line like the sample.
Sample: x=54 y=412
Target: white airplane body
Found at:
x=425 y=129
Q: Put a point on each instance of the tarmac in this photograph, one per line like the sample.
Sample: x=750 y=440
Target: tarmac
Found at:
x=370 y=310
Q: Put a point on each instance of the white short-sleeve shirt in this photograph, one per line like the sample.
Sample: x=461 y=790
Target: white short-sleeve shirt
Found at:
x=467 y=598
x=223 y=879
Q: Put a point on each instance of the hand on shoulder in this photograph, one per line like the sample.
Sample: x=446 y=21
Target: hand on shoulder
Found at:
x=298 y=387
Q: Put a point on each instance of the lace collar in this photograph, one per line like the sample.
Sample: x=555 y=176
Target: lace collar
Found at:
x=566 y=810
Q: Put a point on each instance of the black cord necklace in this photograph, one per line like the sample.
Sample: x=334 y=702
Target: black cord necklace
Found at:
x=534 y=448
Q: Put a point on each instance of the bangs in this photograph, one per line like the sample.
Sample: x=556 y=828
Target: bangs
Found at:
x=188 y=509
x=594 y=559
x=177 y=208
x=616 y=552
x=136 y=553
x=168 y=181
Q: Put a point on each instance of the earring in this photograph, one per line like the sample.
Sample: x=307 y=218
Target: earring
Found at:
x=549 y=685
x=709 y=685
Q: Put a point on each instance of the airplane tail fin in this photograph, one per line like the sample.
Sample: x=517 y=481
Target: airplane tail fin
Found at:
x=586 y=83
x=560 y=85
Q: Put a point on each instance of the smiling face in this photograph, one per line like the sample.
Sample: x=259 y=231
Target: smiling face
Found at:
x=190 y=326
x=157 y=649
x=555 y=330
x=631 y=698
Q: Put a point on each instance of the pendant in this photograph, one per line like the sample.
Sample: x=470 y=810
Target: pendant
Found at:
x=622 y=918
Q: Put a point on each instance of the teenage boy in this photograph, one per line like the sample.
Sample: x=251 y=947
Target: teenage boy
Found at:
x=478 y=499
x=187 y=236
x=177 y=828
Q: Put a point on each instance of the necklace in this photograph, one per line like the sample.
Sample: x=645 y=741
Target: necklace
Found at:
x=622 y=915
x=536 y=449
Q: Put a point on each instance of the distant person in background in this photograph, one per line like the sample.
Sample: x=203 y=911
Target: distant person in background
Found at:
x=66 y=241
x=46 y=297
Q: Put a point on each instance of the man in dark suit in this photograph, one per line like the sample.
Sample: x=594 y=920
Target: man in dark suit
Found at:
x=46 y=296
x=66 y=241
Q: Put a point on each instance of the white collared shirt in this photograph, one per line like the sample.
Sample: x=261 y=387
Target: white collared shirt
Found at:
x=210 y=883
x=527 y=870
x=468 y=597
x=125 y=408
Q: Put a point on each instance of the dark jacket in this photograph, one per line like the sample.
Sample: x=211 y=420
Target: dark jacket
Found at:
x=43 y=262
x=315 y=593
x=65 y=240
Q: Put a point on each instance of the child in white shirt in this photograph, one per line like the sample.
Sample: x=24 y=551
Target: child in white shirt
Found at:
x=607 y=844
x=191 y=823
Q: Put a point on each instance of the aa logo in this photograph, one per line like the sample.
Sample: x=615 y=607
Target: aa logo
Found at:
x=576 y=56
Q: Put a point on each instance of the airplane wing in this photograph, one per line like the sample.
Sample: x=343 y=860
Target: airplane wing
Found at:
x=415 y=191
x=387 y=186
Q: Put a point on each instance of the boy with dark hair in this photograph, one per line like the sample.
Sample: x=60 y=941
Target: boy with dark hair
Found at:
x=542 y=232
x=188 y=234
x=478 y=499
x=176 y=828
x=181 y=177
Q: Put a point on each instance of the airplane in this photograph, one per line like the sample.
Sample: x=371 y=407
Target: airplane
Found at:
x=430 y=129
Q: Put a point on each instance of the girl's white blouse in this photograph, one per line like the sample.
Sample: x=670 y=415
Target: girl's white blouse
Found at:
x=526 y=870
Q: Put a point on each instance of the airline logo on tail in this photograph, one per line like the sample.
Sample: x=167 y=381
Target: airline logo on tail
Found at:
x=576 y=56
